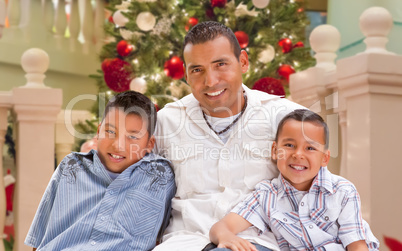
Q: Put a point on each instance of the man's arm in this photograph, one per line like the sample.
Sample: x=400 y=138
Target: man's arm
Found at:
x=357 y=246
x=224 y=233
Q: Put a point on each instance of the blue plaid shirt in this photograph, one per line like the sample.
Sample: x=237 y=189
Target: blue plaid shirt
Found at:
x=84 y=209
x=327 y=217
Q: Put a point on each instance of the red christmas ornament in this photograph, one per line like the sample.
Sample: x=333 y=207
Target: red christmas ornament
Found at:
x=286 y=45
x=117 y=74
x=174 y=68
x=110 y=19
x=190 y=23
x=393 y=244
x=270 y=86
x=218 y=3
x=285 y=70
x=298 y=45
x=242 y=37
x=157 y=107
x=123 y=48
x=209 y=12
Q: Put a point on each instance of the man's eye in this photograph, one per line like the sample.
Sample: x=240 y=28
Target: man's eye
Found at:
x=310 y=148
x=132 y=137
x=289 y=145
x=221 y=64
x=196 y=70
x=110 y=132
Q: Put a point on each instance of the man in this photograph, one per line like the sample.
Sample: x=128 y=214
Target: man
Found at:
x=216 y=138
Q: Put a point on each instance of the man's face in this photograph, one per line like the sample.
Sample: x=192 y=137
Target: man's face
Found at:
x=300 y=152
x=215 y=76
x=122 y=140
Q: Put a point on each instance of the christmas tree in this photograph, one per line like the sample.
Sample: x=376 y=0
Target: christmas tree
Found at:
x=144 y=48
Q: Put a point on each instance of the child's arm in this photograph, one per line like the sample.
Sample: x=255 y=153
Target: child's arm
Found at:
x=224 y=233
x=357 y=246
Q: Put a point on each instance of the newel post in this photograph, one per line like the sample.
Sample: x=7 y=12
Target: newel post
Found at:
x=36 y=107
x=370 y=83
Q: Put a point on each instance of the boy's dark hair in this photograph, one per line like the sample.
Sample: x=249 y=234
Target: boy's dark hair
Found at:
x=136 y=103
x=304 y=115
x=209 y=30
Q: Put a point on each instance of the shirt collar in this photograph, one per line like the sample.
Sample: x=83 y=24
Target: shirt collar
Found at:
x=255 y=99
x=95 y=160
x=323 y=180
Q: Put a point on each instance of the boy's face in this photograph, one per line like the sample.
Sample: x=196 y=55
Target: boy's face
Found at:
x=300 y=152
x=122 y=140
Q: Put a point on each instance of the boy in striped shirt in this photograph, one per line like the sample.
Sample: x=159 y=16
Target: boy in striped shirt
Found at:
x=115 y=198
x=306 y=207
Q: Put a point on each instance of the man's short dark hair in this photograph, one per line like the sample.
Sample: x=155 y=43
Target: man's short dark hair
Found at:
x=133 y=102
x=210 y=30
x=304 y=115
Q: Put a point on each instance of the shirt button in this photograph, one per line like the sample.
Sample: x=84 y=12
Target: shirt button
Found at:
x=285 y=220
x=302 y=204
x=93 y=243
x=103 y=218
x=311 y=226
x=111 y=192
x=326 y=218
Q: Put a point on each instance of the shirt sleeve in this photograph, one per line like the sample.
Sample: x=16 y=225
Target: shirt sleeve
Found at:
x=41 y=220
x=170 y=193
x=352 y=227
x=252 y=208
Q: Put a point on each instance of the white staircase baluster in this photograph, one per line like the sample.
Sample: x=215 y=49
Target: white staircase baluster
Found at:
x=87 y=24
x=98 y=26
x=48 y=14
x=60 y=23
x=14 y=12
x=74 y=24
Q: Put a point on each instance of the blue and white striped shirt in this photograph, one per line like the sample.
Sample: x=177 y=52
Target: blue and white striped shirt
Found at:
x=84 y=209
x=327 y=217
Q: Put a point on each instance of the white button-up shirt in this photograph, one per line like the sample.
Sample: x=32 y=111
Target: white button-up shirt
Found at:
x=213 y=176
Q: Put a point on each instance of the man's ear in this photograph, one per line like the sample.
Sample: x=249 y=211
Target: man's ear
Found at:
x=274 y=152
x=244 y=63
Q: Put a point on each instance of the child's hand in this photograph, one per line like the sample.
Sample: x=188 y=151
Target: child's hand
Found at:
x=237 y=244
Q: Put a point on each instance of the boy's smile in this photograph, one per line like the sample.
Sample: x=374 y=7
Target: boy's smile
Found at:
x=122 y=140
x=300 y=152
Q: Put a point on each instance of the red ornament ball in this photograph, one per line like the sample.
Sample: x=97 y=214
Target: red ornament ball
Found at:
x=270 y=85
x=157 y=107
x=174 y=68
x=218 y=3
x=209 y=12
x=285 y=70
x=117 y=74
x=298 y=45
x=123 y=48
x=286 y=45
x=110 y=19
x=243 y=39
x=190 y=23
